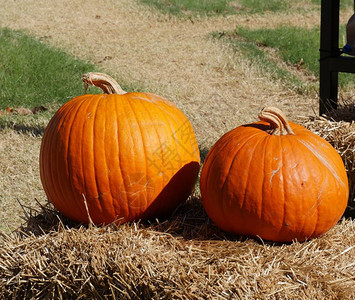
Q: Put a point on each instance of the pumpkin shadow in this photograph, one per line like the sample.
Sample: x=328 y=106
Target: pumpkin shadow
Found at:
x=203 y=153
x=179 y=187
x=188 y=221
x=42 y=219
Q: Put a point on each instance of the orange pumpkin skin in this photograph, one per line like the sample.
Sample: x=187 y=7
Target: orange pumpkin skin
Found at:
x=279 y=188
x=118 y=158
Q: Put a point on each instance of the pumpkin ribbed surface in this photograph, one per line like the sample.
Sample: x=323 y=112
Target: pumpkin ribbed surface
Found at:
x=279 y=187
x=118 y=157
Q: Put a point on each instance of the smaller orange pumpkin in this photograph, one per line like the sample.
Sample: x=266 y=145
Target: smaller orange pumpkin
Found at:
x=274 y=179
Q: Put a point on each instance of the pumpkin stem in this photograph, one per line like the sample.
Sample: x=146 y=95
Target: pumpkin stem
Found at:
x=103 y=81
x=277 y=119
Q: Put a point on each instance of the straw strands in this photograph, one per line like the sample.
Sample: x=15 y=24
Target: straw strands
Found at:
x=341 y=135
x=184 y=257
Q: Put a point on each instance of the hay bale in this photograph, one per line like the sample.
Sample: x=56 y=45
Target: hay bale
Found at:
x=341 y=135
x=185 y=257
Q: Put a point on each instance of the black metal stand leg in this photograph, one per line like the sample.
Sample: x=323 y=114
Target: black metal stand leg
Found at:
x=329 y=48
x=328 y=89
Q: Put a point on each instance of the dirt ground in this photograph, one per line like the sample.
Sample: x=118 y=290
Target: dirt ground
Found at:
x=177 y=59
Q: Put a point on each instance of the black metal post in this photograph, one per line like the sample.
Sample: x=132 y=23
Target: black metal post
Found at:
x=329 y=48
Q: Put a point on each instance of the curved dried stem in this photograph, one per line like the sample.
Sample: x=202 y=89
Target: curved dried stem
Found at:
x=277 y=119
x=103 y=81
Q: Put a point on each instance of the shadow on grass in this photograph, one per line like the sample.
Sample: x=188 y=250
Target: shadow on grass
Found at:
x=35 y=130
x=30 y=124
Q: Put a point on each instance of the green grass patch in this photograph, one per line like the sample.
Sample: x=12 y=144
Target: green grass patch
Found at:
x=217 y=7
x=225 y=7
x=261 y=6
x=344 y=4
x=291 y=44
x=195 y=7
x=257 y=56
x=33 y=73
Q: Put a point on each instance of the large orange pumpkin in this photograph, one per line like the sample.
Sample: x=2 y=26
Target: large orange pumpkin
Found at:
x=274 y=179
x=118 y=156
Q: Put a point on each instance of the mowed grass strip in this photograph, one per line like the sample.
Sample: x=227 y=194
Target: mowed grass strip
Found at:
x=194 y=7
x=225 y=7
x=33 y=73
x=261 y=6
x=266 y=61
x=296 y=46
x=217 y=7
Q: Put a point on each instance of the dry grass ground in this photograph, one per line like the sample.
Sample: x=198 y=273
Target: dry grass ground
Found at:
x=19 y=176
x=218 y=90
